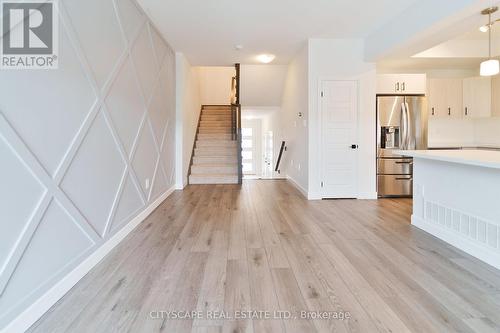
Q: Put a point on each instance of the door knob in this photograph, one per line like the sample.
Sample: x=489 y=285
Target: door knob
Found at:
x=354 y=146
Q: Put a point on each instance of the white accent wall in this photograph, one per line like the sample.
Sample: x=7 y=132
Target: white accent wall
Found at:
x=84 y=149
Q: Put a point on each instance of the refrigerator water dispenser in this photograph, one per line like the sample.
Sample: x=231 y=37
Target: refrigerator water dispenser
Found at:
x=389 y=137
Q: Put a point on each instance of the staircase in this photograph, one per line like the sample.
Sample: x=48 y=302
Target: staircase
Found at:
x=215 y=158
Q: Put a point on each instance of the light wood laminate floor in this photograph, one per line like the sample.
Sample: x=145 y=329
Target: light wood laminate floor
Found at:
x=263 y=247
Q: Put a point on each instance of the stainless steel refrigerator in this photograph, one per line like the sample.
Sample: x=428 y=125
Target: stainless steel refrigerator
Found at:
x=401 y=125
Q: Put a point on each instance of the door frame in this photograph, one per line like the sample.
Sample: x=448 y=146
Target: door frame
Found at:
x=321 y=137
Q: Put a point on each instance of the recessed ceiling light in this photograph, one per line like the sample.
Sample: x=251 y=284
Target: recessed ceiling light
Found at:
x=266 y=58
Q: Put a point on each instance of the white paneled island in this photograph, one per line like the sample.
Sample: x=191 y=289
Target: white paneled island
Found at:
x=456 y=197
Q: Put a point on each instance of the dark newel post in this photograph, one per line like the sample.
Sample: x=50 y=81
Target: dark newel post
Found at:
x=237 y=67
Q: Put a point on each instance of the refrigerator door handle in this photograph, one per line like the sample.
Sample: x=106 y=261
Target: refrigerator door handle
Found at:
x=409 y=126
x=403 y=123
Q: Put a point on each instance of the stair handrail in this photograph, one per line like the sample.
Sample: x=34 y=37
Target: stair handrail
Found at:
x=282 y=149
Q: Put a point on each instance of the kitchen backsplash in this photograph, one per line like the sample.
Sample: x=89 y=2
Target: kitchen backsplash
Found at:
x=477 y=132
x=487 y=131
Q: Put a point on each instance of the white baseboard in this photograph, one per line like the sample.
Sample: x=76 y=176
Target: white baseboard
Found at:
x=367 y=195
x=469 y=246
x=297 y=186
x=314 y=196
x=27 y=318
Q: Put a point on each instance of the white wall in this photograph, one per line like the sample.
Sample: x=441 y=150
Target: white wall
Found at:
x=215 y=85
x=270 y=119
x=444 y=132
x=274 y=122
x=188 y=107
x=295 y=101
x=343 y=59
x=422 y=25
x=79 y=146
x=262 y=85
x=430 y=73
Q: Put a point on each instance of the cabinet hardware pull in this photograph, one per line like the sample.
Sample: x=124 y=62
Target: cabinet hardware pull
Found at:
x=403 y=86
x=466 y=111
x=397 y=86
x=432 y=111
x=449 y=111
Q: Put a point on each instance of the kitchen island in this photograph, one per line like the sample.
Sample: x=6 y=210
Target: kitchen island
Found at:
x=456 y=197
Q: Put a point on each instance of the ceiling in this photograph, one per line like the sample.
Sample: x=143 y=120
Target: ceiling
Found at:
x=207 y=31
x=464 y=51
x=475 y=34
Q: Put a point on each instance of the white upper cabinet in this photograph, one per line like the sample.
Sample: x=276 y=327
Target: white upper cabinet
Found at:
x=477 y=97
x=401 y=84
x=445 y=98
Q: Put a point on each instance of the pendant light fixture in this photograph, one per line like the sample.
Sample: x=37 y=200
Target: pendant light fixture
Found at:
x=491 y=66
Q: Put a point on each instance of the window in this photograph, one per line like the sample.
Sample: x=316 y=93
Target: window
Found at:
x=246 y=154
x=246 y=143
x=246 y=131
x=247 y=146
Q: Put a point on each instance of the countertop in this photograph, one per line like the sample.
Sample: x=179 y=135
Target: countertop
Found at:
x=465 y=146
x=481 y=158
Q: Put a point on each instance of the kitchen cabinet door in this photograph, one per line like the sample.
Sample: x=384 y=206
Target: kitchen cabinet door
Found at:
x=477 y=97
x=445 y=98
x=401 y=84
x=388 y=84
x=454 y=98
x=436 y=95
x=414 y=84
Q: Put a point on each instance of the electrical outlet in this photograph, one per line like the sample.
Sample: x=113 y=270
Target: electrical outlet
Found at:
x=146 y=183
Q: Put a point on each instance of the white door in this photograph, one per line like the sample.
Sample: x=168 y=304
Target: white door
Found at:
x=251 y=147
x=339 y=111
x=248 y=150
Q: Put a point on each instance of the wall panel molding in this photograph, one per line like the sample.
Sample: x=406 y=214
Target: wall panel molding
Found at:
x=157 y=157
x=42 y=304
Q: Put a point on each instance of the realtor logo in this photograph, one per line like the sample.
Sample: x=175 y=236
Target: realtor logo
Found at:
x=29 y=34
